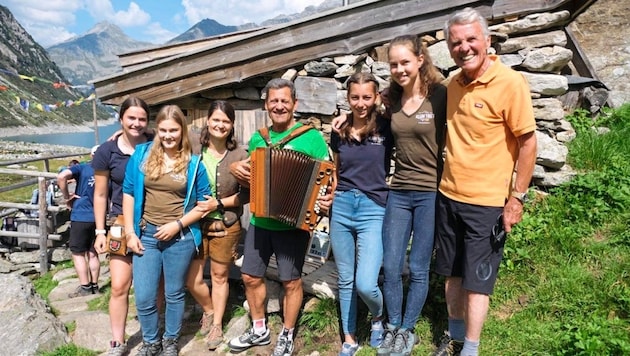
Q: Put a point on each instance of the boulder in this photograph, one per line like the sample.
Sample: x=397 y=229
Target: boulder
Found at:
x=551 y=153
x=553 y=38
x=547 y=59
x=23 y=312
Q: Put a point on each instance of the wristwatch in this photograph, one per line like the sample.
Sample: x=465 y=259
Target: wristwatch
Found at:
x=522 y=197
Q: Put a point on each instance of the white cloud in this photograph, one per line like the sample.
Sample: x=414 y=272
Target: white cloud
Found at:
x=157 y=34
x=132 y=17
x=241 y=12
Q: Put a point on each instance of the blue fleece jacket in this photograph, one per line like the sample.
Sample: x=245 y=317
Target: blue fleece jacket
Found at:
x=197 y=186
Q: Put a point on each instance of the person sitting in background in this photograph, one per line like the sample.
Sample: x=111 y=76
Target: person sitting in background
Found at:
x=82 y=226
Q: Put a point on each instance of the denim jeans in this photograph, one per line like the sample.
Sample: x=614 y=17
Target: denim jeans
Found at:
x=356 y=239
x=170 y=259
x=407 y=211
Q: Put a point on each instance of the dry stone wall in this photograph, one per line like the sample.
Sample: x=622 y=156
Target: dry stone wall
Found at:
x=535 y=45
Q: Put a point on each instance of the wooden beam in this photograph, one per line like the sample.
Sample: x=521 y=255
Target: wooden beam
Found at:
x=339 y=31
x=328 y=27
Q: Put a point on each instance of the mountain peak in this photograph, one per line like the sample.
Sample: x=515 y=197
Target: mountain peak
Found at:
x=105 y=26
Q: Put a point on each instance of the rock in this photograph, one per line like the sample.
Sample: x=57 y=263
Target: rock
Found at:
x=554 y=178
x=24 y=257
x=566 y=136
x=290 y=74
x=441 y=56
x=547 y=59
x=316 y=95
x=553 y=38
x=547 y=84
x=59 y=255
x=320 y=69
x=548 y=109
x=28 y=325
x=347 y=59
x=381 y=69
x=533 y=22
x=550 y=153
x=511 y=60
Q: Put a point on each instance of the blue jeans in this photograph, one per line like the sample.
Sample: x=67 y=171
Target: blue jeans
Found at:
x=356 y=217
x=407 y=211
x=171 y=259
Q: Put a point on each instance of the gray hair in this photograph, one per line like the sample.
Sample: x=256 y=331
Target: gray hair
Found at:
x=464 y=17
x=279 y=83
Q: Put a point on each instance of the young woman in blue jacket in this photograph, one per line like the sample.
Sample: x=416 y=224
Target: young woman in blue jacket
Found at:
x=162 y=185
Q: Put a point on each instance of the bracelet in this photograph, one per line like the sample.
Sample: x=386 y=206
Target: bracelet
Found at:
x=100 y=232
x=181 y=225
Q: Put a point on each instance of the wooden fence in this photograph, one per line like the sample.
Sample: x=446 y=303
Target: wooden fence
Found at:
x=46 y=212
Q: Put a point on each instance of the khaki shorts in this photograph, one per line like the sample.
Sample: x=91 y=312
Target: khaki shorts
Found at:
x=218 y=242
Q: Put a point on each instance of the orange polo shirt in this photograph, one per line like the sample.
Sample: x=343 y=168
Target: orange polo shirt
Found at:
x=484 y=119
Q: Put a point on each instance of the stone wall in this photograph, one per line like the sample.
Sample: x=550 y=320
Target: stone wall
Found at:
x=534 y=45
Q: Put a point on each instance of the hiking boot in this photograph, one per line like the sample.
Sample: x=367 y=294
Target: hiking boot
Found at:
x=81 y=291
x=404 y=343
x=150 y=349
x=348 y=349
x=169 y=347
x=206 y=323
x=388 y=340
x=284 y=346
x=376 y=334
x=448 y=346
x=117 y=349
x=214 y=337
x=249 y=339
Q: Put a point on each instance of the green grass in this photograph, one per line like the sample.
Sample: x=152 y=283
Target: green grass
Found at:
x=69 y=350
x=45 y=284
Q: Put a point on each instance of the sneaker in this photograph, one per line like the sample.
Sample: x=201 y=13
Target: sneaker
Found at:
x=117 y=349
x=376 y=335
x=150 y=349
x=448 y=346
x=284 y=346
x=206 y=323
x=95 y=289
x=249 y=339
x=214 y=337
x=388 y=341
x=404 y=343
x=169 y=347
x=348 y=349
x=81 y=292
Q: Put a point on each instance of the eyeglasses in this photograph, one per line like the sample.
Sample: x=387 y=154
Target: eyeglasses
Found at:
x=498 y=232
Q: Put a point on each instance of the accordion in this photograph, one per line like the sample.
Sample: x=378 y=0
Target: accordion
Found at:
x=285 y=185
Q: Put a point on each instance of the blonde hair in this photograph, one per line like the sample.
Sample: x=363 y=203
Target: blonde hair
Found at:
x=154 y=166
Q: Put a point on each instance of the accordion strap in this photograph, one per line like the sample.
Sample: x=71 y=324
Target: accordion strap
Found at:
x=264 y=132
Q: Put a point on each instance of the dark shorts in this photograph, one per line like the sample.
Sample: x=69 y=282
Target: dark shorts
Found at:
x=464 y=245
x=289 y=246
x=82 y=236
x=219 y=242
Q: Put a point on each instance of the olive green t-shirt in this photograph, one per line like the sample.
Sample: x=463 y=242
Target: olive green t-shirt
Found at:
x=164 y=198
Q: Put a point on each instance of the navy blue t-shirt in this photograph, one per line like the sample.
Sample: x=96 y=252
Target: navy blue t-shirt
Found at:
x=83 y=208
x=109 y=157
x=364 y=165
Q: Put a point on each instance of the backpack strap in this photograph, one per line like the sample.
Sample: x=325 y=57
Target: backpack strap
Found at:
x=264 y=132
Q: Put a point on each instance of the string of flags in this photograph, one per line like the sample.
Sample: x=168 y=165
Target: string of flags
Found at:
x=26 y=104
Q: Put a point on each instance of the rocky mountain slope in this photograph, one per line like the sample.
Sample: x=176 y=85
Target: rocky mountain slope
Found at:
x=32 y=92
x=94 y=54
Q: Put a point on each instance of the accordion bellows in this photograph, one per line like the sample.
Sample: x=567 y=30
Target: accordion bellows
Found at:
x=285 y=185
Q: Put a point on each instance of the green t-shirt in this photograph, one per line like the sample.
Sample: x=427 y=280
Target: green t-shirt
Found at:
x=310 y=143
x=210 y=162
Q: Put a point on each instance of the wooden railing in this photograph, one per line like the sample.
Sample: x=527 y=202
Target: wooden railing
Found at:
x=46 y=212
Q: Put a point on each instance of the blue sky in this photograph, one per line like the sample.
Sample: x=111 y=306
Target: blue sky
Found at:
x=53 y=21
